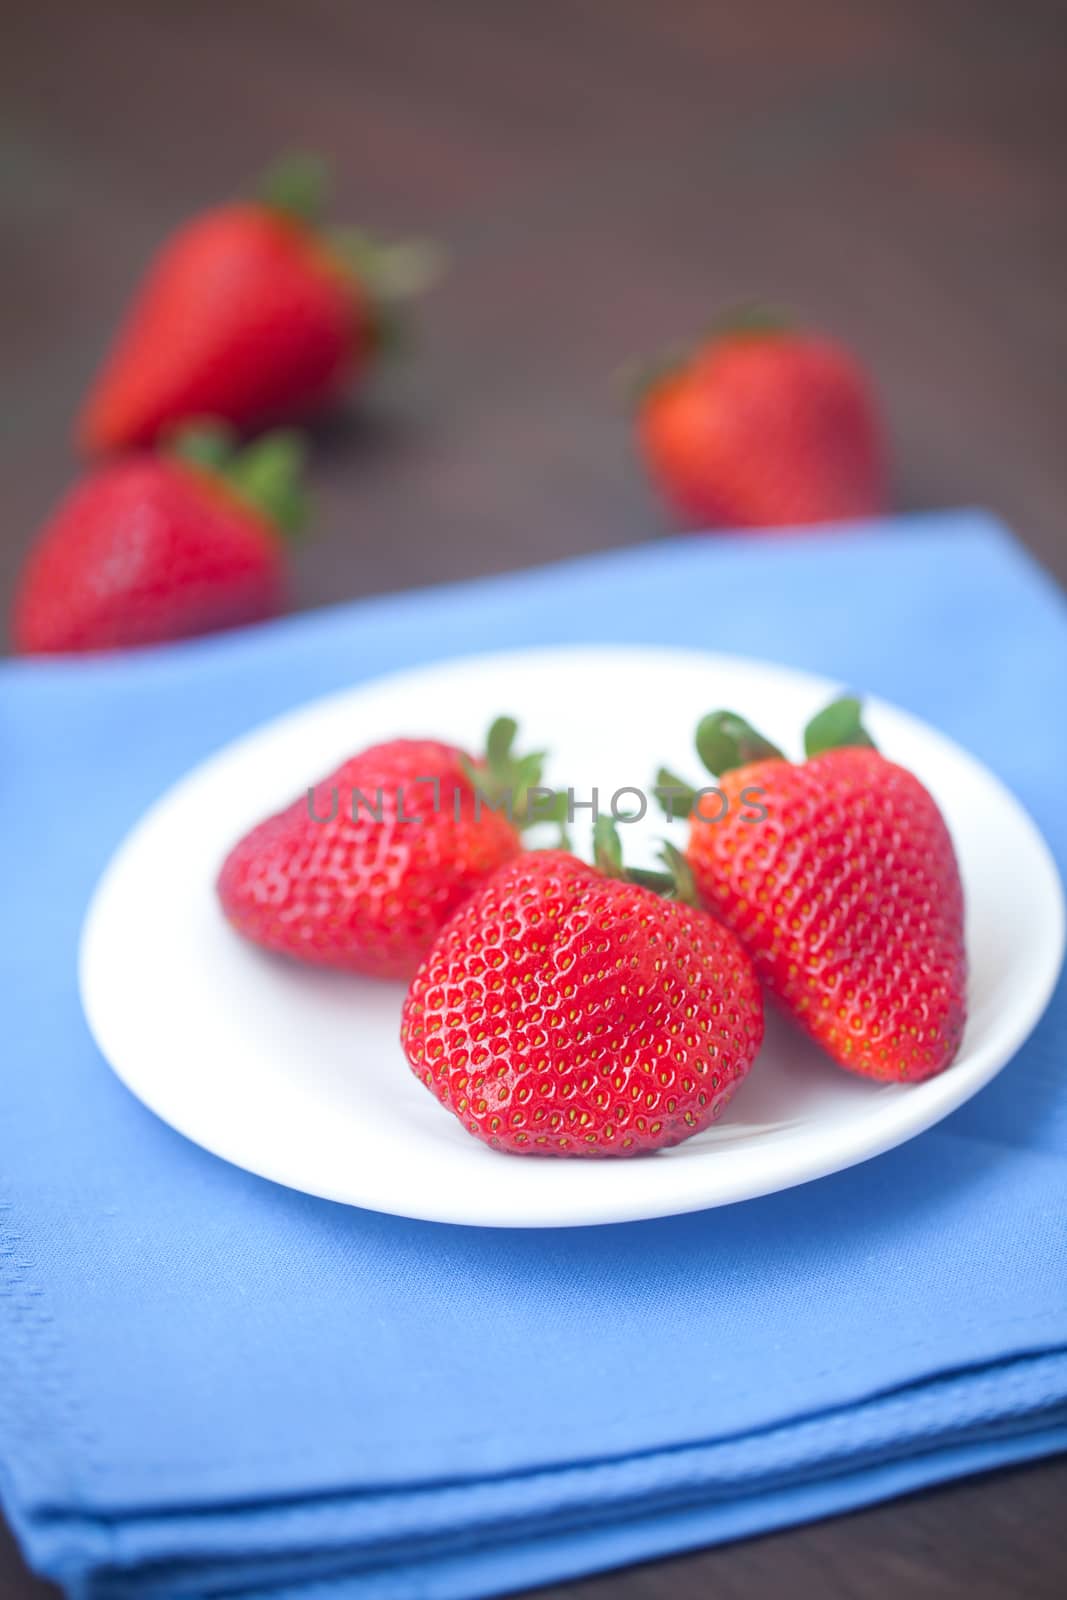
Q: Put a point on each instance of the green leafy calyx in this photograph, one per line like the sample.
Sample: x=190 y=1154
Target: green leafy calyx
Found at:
x=513 y=781
x=676 y=798
x=725 y=741
x=837 y=726
x=266 y=474
x=298 y=186
x=676 y=883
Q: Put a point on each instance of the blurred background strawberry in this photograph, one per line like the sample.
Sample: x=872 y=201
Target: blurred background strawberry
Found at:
x=159 y=547
x=253 y=312
x=763 y=424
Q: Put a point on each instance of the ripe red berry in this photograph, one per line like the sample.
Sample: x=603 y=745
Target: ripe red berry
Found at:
x=364 y=871
x=764 y=427
x=846 y=894
x=160 y=547
x=251 y=313
x=562 y=1012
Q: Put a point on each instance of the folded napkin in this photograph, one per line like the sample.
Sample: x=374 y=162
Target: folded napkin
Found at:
x=212 y=1385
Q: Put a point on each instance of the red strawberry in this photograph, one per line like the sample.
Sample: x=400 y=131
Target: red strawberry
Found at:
x=839 y=877
x=349 y=876
x=162 y=546
x=568 y=1013
x=248 y=313
x=764 y=427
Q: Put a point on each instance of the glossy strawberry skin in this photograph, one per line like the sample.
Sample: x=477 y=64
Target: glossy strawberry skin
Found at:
x=242 y=317
x=765 y=430
x=143 y=551
x=847 y=896
x=367 y=895
x=564 y=1013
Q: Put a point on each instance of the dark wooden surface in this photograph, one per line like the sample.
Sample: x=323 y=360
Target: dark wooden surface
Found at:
x=605 y=174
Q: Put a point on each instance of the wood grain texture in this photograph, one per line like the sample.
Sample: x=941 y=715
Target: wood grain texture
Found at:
x=605 y=174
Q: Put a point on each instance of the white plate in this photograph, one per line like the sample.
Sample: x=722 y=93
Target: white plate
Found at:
x=298 y=1075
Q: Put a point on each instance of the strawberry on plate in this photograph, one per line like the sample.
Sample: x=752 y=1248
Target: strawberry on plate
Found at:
x=363 y=871
x=163 y=546
x=763 y=425
x=839 y=876
x=251 y=312
x=569 y=1011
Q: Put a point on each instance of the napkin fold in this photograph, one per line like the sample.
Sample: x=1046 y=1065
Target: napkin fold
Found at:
x=210 y=1385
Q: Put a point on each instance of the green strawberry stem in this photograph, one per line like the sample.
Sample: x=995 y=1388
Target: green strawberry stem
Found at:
x=208 y=444
x=637 y=378
x=499 y=742
x=297 y=184
x=502 y=775
x=266 y=474
x=839 y=724
x=676 y=797
x=607 y=849
x=750 y=317
x=389 y=274
x=681 y=875
x=676 y=883
x=725 y=741
x=391 y=270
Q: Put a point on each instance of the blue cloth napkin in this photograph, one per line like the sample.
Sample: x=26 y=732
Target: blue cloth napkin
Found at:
x=209 y=1384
